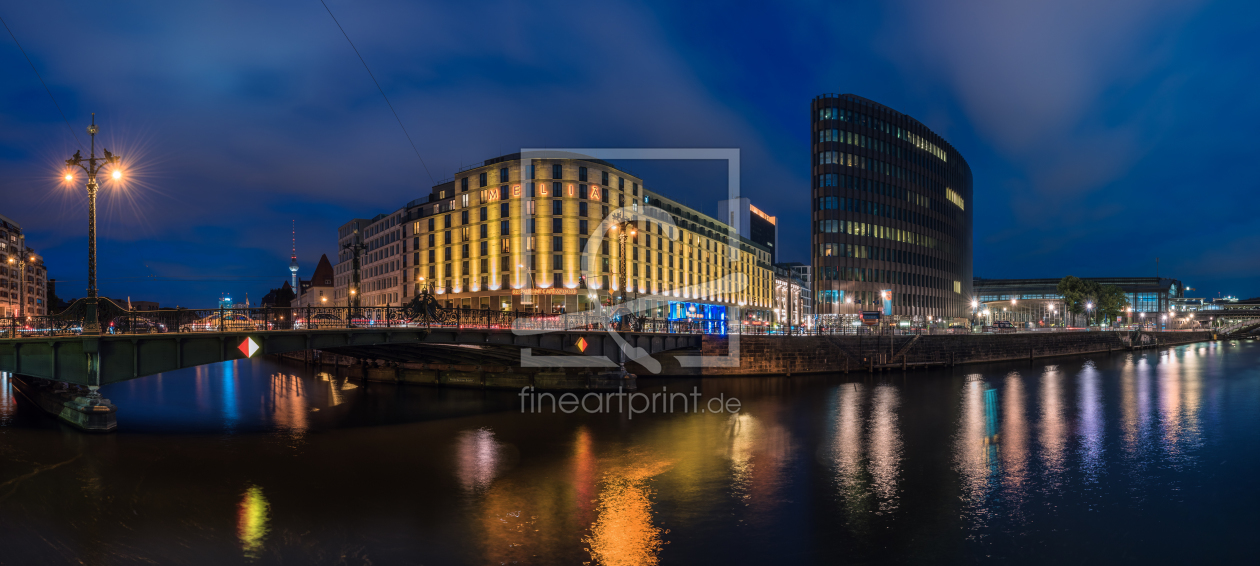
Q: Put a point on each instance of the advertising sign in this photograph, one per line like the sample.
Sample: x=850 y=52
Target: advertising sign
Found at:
x=886 y=295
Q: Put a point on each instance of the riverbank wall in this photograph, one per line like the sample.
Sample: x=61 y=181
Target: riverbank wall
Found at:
x=767 y=355
x=464 y=375
x=786 y=355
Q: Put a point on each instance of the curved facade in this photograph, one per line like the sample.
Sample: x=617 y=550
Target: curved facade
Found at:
x=525 y=235
x=892 y=211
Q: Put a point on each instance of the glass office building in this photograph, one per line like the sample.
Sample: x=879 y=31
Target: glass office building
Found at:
x=892 y=214
x=1038 y=300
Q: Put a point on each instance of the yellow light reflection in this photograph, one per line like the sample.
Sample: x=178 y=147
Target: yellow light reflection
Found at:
x=624 y=534
x=288 y=403
x=251 y=521
x=584 y=475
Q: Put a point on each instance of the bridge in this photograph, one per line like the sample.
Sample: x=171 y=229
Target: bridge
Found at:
x=135 y=344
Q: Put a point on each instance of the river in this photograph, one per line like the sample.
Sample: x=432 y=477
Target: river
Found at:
x=1145 y=457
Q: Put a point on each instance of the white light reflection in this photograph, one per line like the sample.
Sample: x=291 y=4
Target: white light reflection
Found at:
x=1014 y=442
x=845 y=455
x=1053 y=435
x=477 y=458
x=975 y=450
x=1090 y=423
x=1180 y=385
x=885 y=448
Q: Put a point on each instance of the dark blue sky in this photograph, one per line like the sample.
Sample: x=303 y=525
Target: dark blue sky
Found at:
x=1101 y=134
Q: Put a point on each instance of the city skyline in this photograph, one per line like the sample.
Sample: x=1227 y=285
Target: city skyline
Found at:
x=1084 y=155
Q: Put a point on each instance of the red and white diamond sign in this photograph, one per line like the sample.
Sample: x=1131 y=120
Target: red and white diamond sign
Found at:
x=248 y=347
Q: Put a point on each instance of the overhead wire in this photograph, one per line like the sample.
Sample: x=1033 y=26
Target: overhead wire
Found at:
x=41 y=81
x=378 y=87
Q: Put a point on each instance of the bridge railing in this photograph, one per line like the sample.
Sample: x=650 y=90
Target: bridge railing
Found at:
x=256 y=319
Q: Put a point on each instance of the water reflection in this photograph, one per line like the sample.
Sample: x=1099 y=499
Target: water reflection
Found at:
x=251 y=521
x=288 y=403
x=885 y=448
x=936 y=468
x=865 y=452
x=759 y=448
x=1180 y=392
x=625 y=533
x=1053 y=434
x=8 y=405
x=1091 y=424
x=846 y=446
x=976 y=447
x=1014 y=441
x=477 y=459
x=741 y=430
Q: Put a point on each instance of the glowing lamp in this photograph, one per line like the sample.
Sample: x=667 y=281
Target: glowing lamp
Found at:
x=116 y=174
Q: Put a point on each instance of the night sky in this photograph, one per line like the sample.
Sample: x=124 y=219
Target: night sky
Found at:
x=1101 y=134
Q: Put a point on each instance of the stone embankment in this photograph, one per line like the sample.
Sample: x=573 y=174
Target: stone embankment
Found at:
x=780 y=355
x=466 y=375
x=769 y=355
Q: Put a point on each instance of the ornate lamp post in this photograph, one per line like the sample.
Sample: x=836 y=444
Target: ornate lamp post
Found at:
x=356 y=248
x=91 y=325
x=625 y=230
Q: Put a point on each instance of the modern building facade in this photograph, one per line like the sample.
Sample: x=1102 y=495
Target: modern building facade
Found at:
x=790 y=295
x=23 y=276
x=546 y=235
x=371 y=258
x=1038 y=300
x=752 y=223
x=892 y=211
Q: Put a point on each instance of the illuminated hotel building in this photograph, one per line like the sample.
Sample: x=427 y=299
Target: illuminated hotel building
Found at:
x=892 y=211
x=527 y=236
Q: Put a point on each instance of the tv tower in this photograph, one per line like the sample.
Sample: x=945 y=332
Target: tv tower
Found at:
x=293 y=266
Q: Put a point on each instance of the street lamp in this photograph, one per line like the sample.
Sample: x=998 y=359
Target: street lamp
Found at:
x=356 y=248
x=92 y=326
x=625 y=230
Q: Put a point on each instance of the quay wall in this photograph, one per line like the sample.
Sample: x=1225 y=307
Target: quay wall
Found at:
x=774 y=355
x=779 y=355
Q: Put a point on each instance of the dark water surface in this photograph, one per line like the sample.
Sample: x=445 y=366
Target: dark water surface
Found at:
x=1123 y=458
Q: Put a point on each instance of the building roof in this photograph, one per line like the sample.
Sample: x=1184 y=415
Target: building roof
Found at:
x=323 y=276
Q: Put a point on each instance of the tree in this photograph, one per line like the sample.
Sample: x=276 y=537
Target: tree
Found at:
x=1111 y=301
x=1074 y=291
x=1108 y=300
